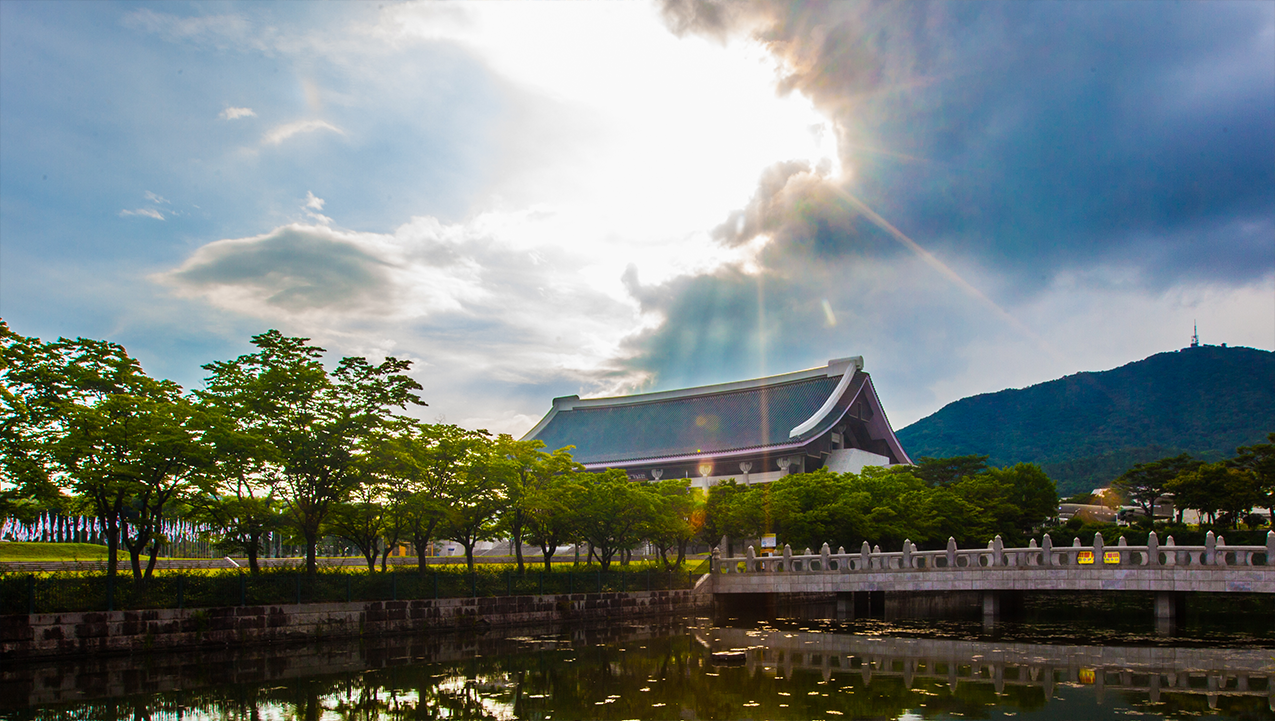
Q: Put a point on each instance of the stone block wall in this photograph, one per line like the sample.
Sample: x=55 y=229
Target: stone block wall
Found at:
x=67 y=634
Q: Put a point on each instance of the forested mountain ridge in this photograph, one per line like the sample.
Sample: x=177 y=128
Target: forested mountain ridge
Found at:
x=1086 y=429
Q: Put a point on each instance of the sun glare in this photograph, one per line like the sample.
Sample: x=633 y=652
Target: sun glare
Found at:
x=686 y=125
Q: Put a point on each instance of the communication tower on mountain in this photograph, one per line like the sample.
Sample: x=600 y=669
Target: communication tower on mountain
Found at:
x=1195 y=335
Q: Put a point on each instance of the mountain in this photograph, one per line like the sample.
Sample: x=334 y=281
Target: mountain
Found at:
x=1086 y=429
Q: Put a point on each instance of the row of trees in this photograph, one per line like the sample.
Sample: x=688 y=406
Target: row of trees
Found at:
x=938 y=499
x=277 y=443
x=1223 y=492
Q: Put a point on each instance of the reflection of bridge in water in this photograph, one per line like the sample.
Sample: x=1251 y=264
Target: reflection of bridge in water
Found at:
x=1210 y=672
x=1168 y=570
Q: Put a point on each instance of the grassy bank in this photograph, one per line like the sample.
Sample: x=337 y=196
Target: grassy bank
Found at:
x=26 y=551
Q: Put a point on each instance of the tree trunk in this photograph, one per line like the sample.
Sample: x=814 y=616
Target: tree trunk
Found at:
x=469 y=555
x=112 y=546
x=548 y=552
x=515 y=537
x=254 y=541
x=385 y=557
x=311 y=560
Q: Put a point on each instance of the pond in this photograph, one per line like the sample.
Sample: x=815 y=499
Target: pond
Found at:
x=1051 y=664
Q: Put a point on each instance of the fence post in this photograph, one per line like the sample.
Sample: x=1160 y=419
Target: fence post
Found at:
x=110 y=592
x=648 y=579
x=349 y=588
x=435 y=575
x=297 y=581
x=541 y=586
x=473 y=584
x=624 y=582
x=599 y=580
x=31 y=594
x=181 y=588
x=243 y=589
x=509 y=583
x=393 y=585
x=571 y=588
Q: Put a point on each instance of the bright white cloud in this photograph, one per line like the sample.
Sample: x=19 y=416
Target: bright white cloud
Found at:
x=312 y=202
x=236 y=113
x=145 y=212
x=674 y=132
x=154 y=198
x=280 y=133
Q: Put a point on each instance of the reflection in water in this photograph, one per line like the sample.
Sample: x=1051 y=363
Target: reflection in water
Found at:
x=796 y=669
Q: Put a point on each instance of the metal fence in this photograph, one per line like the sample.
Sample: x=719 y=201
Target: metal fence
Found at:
x=31 y=593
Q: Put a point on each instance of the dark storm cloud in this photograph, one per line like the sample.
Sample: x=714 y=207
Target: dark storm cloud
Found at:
x=1034 y=137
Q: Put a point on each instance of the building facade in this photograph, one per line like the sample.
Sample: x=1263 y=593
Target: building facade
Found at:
x=754 y=431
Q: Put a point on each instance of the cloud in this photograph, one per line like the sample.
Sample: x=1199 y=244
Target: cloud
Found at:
x=232 y=113
x=468 y=295
x=152 y=197
x=145 y=212
x=218 y=31
x=313 y=202
x=280 y=133
x=1033 y=137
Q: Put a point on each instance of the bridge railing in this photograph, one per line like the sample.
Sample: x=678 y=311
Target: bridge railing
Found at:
x=1214 y=554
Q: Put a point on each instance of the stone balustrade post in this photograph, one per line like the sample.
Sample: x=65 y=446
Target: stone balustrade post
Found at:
x=750 y=559
x=1210 y=545
x=787 y=558
x=865 y=557
x=825 y=556
x=1220 y=556
x=998 y=551
x=907 y=553
x=1170 y=554
x=1153 y=549
x=1124 y=555
x=1030 y=556
x=951 y=552
x=714 y=562
x=1270 y=548
x=879 y=561
x=1047 y=550
x=1098 y=549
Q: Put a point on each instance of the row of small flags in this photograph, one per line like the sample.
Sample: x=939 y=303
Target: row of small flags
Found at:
x=56 y=528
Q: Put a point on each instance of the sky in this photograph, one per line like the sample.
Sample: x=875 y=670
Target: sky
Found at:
x=531 y=200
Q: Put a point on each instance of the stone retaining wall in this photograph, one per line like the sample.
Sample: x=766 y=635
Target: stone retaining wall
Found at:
x=64 y=634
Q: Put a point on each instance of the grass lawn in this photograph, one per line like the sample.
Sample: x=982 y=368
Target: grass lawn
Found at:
x=22 y=551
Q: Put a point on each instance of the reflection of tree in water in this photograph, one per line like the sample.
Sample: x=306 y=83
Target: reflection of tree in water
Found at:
x=668 y=674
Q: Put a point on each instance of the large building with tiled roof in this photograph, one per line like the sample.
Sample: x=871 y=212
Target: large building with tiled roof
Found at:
x=753 y=431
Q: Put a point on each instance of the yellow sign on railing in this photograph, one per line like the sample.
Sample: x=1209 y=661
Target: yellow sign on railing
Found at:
x=1111 y=557
x=1084 y=558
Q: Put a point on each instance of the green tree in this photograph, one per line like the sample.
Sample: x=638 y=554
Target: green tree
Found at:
x=613 y=513
x=532 y=471
x=676 y=519
x=82 y=415
x=236 y=495
x=425 y=463
x=1259 y=461
x=317 y=423
x=946 y=471
x=552 y=512
x=1215 y=488
x=478 y=496
x=1142 y=484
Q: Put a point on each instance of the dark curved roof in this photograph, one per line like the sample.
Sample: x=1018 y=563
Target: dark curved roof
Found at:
x=709 y=423
x=776 y=414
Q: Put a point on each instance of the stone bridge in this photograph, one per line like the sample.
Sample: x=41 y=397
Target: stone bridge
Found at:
x=1154 y=670
x=1166 y=569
